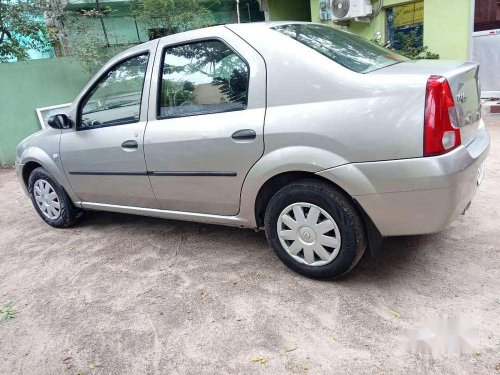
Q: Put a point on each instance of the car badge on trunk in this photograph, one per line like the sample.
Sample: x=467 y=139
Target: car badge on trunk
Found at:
x=462 y=98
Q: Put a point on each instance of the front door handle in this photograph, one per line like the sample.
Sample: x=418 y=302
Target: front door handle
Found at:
x=130 y=145
x=244 y=135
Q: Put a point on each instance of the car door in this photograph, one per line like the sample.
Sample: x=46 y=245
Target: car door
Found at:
x=206 y=120
x=103 y=155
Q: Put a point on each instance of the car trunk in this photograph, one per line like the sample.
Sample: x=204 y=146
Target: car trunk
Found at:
x=463 y=80
x=464 y=84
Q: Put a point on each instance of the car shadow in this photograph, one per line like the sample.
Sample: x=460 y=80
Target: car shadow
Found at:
x=396 y=257
x=146 y=224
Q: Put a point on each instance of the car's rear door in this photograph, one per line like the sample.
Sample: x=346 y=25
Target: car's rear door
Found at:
x=103 y=154
x=206 y=119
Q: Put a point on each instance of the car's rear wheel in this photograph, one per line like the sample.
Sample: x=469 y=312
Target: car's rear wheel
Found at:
x=315 y=229
x=50 y=200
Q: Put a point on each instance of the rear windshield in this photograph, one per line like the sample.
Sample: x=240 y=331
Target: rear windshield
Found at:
x=346 y=49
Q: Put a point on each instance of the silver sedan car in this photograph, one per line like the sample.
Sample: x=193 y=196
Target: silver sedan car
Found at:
x=323 y=139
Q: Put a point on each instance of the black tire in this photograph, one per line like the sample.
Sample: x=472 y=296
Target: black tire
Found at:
x=69 y=214
x=339 y=206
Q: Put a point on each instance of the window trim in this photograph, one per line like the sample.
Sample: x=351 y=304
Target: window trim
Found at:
x=84 y=98
x=160 y=78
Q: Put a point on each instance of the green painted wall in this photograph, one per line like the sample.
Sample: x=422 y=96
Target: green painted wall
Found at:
x=287 y=10
x=25 y=86
x=447 y=25
x=447 y=28
x=368 y=30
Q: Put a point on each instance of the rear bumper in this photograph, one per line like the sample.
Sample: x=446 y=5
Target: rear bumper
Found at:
x=415 y=196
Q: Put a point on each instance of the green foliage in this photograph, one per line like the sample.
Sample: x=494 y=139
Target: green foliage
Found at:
x=91 y=52
x=96 y=13
x=165 y=17
x=87 y=40
x=22 y=28
x=161 y=17
x=7 y=312
x=406 y=43
x=79 y=34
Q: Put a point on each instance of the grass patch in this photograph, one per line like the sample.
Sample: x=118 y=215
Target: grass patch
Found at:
x=7 y=312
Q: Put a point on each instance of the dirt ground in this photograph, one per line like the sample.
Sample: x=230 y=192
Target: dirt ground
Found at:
x=122 y=294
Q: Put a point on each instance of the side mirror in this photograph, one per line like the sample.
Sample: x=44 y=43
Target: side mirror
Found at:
x=59 y=122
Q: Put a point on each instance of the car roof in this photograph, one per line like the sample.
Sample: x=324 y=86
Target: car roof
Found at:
x=245 y=26
x=235 y=27
x=268 y=24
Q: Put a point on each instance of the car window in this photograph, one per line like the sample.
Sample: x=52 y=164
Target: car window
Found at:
x=116 y=99
x=201 y=78
x=346 y=49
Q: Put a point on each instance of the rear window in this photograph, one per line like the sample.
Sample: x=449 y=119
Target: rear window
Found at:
x=346 y=49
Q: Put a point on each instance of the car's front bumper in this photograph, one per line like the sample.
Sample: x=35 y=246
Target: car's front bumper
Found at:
x=419 y=195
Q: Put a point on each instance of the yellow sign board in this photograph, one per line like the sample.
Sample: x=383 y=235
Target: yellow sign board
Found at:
x=409 y=14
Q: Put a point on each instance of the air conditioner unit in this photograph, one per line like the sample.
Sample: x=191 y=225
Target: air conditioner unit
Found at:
x=350 y=9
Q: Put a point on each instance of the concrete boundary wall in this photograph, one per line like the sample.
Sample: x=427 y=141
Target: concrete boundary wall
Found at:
x=25 y=86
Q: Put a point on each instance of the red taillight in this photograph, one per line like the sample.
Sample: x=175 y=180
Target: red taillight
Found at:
x=441 y=132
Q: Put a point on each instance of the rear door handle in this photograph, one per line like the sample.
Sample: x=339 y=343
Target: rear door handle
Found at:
x=244 y=135
x=130 y=145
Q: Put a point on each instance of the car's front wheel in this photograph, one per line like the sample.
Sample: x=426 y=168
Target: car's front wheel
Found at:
x=315 y=229
x=50 y=200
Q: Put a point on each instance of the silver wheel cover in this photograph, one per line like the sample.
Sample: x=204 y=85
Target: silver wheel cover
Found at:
x=309 y=234
x=46 y=199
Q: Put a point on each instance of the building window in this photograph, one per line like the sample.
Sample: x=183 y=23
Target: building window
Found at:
x=487 y=15
x=405 y=24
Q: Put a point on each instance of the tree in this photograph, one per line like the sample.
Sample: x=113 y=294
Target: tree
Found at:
x=89 y=44
x=22 y=28
x=165 y=17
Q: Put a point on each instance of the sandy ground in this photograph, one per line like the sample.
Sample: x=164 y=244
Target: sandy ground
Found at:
x=122 y=294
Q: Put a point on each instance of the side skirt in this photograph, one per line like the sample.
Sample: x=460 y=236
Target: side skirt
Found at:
x=234 y=221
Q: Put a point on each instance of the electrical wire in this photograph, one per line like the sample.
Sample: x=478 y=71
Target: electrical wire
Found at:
x=376 y=8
